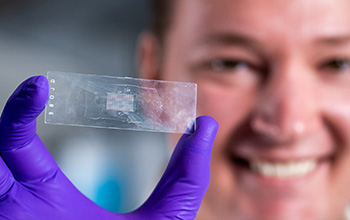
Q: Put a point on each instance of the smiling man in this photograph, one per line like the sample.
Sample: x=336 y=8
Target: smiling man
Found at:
x=276 y=76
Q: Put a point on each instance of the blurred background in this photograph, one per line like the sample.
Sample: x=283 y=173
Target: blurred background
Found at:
x=117 y=169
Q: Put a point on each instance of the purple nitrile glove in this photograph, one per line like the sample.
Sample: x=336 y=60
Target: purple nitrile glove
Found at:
x=33 y=187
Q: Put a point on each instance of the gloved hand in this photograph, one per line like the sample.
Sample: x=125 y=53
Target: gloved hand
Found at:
x=32 y=186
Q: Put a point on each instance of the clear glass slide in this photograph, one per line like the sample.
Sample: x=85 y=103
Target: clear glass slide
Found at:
x=121 y=103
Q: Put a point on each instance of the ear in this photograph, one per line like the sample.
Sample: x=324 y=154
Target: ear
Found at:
x=148 y=56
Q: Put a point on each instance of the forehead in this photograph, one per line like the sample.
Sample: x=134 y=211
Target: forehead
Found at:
x=264 y=18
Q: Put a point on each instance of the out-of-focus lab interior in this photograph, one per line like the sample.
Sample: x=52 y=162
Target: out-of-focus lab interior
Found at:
x=115 y=168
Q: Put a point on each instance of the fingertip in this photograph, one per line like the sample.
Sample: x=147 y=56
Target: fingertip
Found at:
x=207 y=127
x=39 y=81
x=202 y=139
x=26 y=102
x=36 y=90
x=206 y=120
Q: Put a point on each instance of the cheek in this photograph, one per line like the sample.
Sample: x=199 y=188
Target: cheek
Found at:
x=335 y=105
x=228 y=105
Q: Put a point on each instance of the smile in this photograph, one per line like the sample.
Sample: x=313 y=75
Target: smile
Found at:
x=278 y=169
x=283 y=170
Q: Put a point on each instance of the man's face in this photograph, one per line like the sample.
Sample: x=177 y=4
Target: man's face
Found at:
x=275 y=74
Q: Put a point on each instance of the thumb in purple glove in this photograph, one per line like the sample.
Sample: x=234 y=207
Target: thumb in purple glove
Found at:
x=33 y=187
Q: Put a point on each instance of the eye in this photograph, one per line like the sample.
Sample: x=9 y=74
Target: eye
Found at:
x=336 y=65
x=225 y=65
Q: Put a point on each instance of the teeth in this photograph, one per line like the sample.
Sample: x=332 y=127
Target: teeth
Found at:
x=283 y=170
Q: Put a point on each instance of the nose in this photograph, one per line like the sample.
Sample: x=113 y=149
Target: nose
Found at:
x=287 y=106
